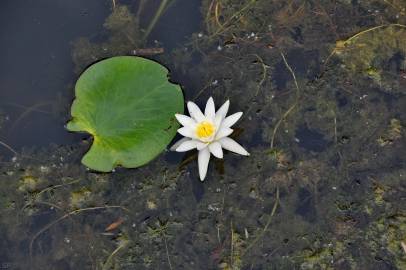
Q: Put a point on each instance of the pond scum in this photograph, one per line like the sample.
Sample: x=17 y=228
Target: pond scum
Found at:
x=322 y=85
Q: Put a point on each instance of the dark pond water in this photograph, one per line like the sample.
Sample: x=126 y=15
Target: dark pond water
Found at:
x=322 y=85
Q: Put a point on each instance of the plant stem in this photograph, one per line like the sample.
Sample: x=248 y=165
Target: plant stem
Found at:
x=8 y=147
x=275 y=206
x=74 y=212
x=155 y=19
x=140 y=8
x=291 y=108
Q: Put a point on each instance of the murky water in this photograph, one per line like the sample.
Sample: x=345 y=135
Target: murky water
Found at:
x=322 y=85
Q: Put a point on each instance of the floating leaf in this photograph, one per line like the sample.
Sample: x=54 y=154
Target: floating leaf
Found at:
x=128 y=105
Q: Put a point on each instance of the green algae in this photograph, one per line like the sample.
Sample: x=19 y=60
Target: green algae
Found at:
x=394 y=133
x=375 y=52
x=29 y=183
x=124 y=37
x=388 y=233
x=79 y=198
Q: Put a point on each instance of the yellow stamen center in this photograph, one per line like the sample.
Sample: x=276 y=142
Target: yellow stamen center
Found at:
x=204 y=129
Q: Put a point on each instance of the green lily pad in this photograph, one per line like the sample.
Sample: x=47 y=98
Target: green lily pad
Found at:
x=128 y=105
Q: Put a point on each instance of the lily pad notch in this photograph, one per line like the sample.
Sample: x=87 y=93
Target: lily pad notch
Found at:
x=128 y=105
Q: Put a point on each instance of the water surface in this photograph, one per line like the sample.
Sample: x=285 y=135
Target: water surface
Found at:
x=322 y=87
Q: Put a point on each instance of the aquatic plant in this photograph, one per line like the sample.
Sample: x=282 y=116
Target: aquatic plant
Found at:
x=126 y=35
x=376 y=52
x=208 y=133
x=127 y=104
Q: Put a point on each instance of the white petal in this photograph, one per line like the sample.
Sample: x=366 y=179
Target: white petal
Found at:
x=201 y=145
x=187 y=132
x=195 y=112
x=231 y=145
x=223 y=132
x=221 y=113
x=210 y=110
x=186 y=146
x=231 y=120
x=217 y=121
x=216 y=150
x=185 y=120
x=203 y=161
x=176 y=145
x=223 y=109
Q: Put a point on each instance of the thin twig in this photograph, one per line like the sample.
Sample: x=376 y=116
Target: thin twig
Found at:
x=107 y=264
x=26 y=108
x=335 y=129
x=264 y=72
x=8 y=147
x=30 y=109
x=207 y=17
x=49 y=225
x=140 y=9
x=403 y=246
x=372 y=29
x=291 y=107
x=216 y=14
x=360 y=34
x=43 y=203
x=275 y=206
x=203 y=89
x=58 y=186
x=229 y=20
x=155 y=19
x=167 y=252
x=37 y=195
x=232 y=246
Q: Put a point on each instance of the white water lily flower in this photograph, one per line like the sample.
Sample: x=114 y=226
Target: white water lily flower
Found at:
x=208 y=133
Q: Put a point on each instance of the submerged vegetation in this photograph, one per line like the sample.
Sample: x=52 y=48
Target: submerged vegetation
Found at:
x=378 y=52
x=321 y=84
x=126 y=35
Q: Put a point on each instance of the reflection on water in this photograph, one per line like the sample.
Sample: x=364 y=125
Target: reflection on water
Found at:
x=322 y=88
